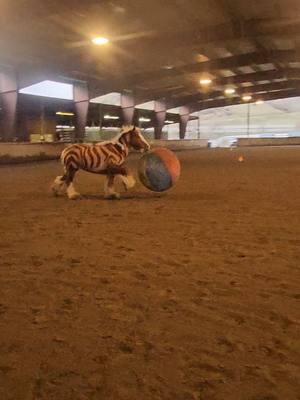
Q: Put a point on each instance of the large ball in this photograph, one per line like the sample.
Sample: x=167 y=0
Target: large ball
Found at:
x=159 y=169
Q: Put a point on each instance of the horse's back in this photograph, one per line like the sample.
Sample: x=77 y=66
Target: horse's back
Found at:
x=92 y=157
x=87 y=156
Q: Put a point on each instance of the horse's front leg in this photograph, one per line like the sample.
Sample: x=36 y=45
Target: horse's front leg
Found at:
x=126 y=178
x=109 y=189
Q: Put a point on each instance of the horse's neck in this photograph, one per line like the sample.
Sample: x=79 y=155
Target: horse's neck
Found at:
x=124 y=142
x=120 y=142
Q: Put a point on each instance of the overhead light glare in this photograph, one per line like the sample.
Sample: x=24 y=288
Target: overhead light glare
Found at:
x=64 y=113
x=100 y=41
x=167 y=121
x=247 y=97
x=259 y=102
x=143 y=119
x=205 y=82
x=107 y=116
x=229 y=91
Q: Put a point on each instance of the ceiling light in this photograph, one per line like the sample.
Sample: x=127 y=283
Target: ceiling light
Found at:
x=169 y=122
x=229 y=91
x=107 y=116
x=143 y=119
x=100 y=41
x=247 y=97
x=258 y=102
x=206 y=81
x=64 y=113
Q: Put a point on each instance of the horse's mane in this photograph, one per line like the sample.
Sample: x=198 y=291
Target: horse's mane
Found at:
x=115 y=140
x=124 y=129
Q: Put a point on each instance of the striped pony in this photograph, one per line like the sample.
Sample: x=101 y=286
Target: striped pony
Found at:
x=106 y=158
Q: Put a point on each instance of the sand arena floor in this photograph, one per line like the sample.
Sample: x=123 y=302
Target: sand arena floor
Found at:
x=189 y=295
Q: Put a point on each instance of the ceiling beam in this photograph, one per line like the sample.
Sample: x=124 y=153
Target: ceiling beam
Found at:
x=293 y=73
x=268 y=87
x=226 y=33
x=236 y=61
x=238 y=20
x=281 y=94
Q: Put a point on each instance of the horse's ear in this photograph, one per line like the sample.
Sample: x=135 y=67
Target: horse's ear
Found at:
x=128 y=128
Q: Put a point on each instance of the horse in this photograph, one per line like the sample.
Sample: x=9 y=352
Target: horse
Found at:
x=105 y=158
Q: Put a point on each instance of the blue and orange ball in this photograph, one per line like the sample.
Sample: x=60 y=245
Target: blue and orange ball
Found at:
x=159 y=169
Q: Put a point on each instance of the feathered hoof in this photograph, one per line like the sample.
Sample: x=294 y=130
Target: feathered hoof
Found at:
x=58 y=186
x=112 y=196
x=128 y=182
x=74 y=196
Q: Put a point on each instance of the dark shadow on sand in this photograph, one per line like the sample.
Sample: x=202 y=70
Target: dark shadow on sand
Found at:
x=127 y=196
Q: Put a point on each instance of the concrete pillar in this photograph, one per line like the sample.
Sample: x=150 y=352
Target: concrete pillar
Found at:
x=81 y=100
x=184 y=119
x=127 y=106
x=9 y=98
x=160 y=117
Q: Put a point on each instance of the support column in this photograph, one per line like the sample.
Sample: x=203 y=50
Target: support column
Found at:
x=9 y=97
x=81 y=100
x=101 y=115
x=184 y=119
x=198 y=126
x=248 y=119
x=127 y=106
x=160 y=117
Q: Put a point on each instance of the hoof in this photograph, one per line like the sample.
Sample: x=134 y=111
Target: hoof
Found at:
x=74 y=196
x=58 y=186
x=112 y=196
x=128 y=182
x=54 y=191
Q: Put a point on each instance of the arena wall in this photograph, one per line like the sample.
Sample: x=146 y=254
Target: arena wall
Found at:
x=177 y=145
x=24 y=152
x=268 y=141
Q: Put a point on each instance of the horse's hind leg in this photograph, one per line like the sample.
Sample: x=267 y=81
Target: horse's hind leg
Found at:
x=58 y=186
x=65 y=182
x=68 y=179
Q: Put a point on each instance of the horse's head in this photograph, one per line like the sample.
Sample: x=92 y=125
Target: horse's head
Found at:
x=134 y=138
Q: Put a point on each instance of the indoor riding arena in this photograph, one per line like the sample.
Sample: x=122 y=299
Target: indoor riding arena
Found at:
x=115 y=285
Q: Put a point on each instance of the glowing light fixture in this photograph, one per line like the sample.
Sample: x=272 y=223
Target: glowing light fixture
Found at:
x=167 y=121
x=205 y=81
x=107 y=116
x=258 y=102
x=64 y=113
x=143 y=119
x=229 y=91
x=100 y=41
x=247 y=97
